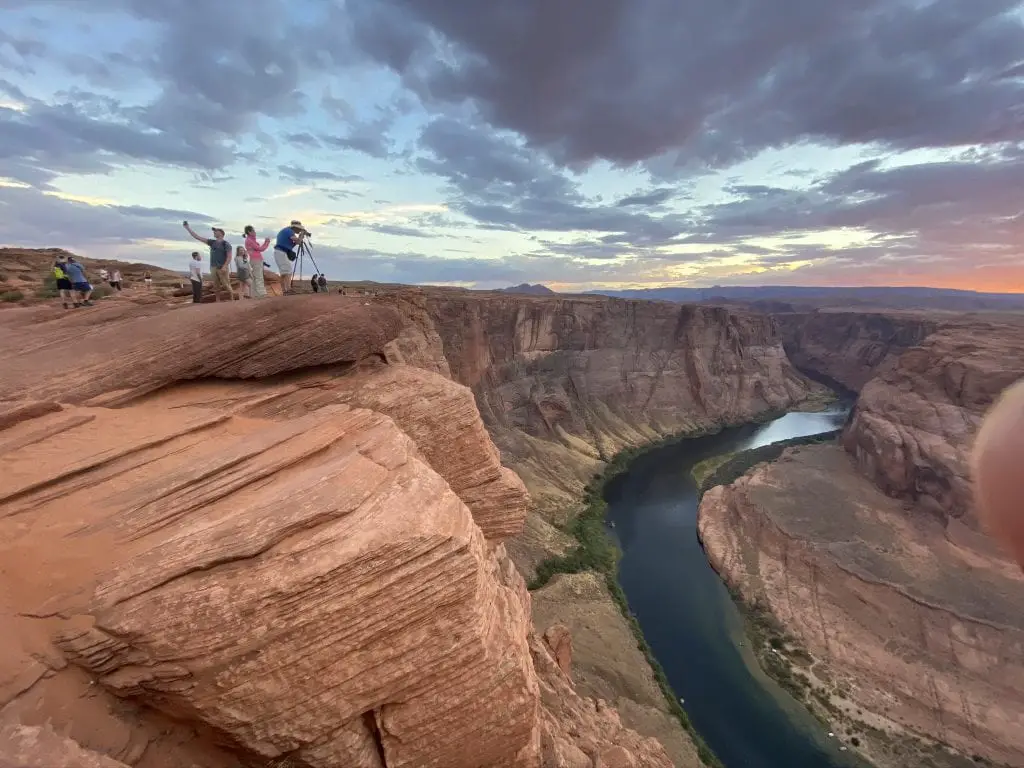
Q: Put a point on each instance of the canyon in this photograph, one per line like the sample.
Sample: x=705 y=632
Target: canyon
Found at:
x=287 y=532
x=901 y=619
x=298 y=532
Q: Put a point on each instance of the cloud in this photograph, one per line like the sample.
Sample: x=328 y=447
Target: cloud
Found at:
x=652 y=198
x=501 y=183
x=32 y=218
x=710 y=81
x=294 y=173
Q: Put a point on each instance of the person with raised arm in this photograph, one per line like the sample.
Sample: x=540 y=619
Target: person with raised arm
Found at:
x=220 y=260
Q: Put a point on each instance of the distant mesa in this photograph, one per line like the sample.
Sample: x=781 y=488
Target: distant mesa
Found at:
x=536 y=289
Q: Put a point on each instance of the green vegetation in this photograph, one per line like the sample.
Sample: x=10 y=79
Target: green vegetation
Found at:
x=738 y=464
x=596 y=551
x=48 y=290
x=702 y=470
x=11 y=296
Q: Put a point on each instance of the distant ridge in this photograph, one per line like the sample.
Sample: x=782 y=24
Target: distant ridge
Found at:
x=536 y=289
x=804 y=297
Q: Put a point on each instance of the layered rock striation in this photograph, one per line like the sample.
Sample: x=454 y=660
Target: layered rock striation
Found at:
x=266 y=545
x=851 y=348
x=868 y=553
x=563 y=384
x=913 y=426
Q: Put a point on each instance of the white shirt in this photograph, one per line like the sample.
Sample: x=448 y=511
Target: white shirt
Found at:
x=195 y=271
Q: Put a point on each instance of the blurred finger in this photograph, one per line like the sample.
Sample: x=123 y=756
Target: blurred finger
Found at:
x=998 y=470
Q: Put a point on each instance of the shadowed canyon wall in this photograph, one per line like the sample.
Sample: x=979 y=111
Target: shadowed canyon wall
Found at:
x=868 y=551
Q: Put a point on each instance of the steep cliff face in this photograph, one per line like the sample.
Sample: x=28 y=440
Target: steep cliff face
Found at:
x=850 y=348
x=912 y=633
x=274 y=548
x=913 y=426
x=564 y=384
x=872 y=557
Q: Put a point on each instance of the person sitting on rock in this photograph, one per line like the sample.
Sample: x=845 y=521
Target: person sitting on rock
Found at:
x=64 y=288
x=315 y=284
x=76 y=273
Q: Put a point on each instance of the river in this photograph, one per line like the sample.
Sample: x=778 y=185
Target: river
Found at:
x=687 y=616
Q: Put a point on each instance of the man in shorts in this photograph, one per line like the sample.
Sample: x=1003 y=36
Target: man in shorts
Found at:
x=76 y=273
x=220 y=260
x=64 y=287
x=288 y=239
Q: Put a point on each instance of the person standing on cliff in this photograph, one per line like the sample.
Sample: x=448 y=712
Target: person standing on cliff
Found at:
x=220 y=260
x=288 y=239
x=255 y=251
x=195 y=276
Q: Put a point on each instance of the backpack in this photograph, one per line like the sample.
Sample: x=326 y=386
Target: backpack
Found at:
x=59 y=273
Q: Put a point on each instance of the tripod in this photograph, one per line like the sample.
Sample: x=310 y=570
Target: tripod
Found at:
x=306 y=249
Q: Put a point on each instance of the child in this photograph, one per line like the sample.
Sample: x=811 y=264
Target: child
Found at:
x=244 y=271
x=148 y=281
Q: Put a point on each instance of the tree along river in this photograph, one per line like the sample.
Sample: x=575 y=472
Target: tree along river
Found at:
x=688 y=617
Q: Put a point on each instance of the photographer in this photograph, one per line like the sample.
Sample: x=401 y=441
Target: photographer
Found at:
x=288 y=240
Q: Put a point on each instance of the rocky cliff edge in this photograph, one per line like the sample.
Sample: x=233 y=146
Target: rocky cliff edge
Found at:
x=871 y=559
x=233 y=532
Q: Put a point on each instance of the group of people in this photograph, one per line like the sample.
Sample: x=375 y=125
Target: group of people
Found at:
x=248 y=261
x=72 y=284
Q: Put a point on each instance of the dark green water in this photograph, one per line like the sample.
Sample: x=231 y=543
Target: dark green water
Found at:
x=688 y=618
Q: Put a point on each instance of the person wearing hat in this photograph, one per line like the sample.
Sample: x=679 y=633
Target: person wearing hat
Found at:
x=220 y=260
x=288 y=239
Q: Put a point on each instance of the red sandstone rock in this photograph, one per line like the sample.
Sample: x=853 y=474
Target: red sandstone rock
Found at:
x=559 y=641
x=913 y=426
x=258 y=559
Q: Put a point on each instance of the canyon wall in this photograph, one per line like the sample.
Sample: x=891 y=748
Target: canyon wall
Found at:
x=266 y=545
x=913 y=426
x=850 y=348
x=563 y=384
x=868 y=553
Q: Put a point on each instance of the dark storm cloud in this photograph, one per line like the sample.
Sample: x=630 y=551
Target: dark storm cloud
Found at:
x=626 y=80
x=211 y=82
x=504 y=185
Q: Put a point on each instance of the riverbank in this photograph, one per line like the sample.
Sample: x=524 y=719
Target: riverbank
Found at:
x=770 y=538
x=595 y=550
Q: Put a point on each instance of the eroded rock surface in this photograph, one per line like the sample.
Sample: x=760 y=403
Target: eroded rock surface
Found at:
x=280 y=548
x=915 y=632
x=913 y=426
x=873 y=558
x=851 y=348
x=564 y=383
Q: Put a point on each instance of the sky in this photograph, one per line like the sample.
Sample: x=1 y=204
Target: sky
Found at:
x=579 y=143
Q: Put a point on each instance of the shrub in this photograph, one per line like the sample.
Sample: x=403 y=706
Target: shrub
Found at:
x=11 y=296
x=48 y=289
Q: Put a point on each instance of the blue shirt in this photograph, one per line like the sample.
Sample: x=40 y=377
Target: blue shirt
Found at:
x=75 y=272
x=284 y=240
